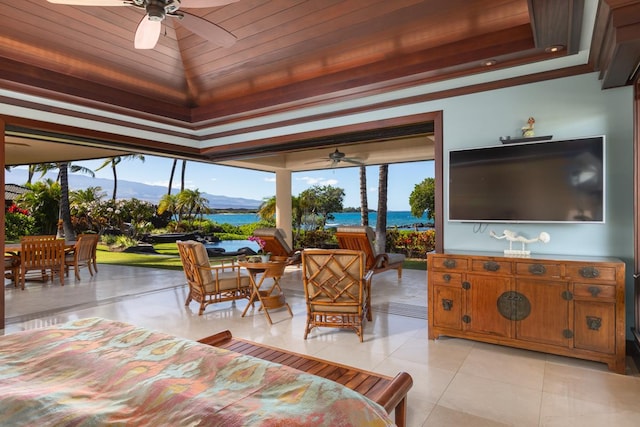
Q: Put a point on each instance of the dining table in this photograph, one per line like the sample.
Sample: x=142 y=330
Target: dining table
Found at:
x=14 y=248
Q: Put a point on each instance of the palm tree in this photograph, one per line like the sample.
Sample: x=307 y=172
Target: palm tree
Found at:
x=87 y=195
x=192 y=202
x=173 y=171
x=113 y=162
x=169 y=203
x=364 y=205
x=381 y=222
x=267 y=209
x=184 y=168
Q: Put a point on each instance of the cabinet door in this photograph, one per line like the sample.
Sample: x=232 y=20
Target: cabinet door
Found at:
x=482 y=305
x=595 y=326
x=548 y=319
x=447 y=310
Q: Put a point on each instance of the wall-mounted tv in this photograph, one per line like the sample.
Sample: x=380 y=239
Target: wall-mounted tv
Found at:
x=550 y=181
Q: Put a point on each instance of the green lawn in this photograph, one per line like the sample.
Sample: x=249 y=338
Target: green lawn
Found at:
x=169 y=258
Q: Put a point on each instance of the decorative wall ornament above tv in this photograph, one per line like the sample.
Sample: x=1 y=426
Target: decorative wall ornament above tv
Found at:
x=536 y=182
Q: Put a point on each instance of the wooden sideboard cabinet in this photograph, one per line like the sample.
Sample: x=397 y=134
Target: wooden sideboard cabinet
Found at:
x=569 y=306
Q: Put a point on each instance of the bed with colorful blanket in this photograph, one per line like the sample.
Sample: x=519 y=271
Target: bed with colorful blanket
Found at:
x=94 y=372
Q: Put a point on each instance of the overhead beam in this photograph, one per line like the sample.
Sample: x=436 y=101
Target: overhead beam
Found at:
x=615 y=49
x=557 y=23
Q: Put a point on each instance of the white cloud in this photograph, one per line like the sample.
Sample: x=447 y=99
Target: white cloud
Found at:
x=163 y=183
x=270 y=179
x=310 y=181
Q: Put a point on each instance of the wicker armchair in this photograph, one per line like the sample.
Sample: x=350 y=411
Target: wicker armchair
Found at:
x=337 y=289
x=361 y=238
x=211 y=284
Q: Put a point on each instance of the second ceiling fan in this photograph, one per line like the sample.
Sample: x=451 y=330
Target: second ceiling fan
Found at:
x=338 y=156
x=149 y=28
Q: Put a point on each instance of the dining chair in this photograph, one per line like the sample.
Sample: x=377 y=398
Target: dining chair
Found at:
x=38 y=237
x=209 y=284
x=81 y=255
x=12 y=265
x=42 y=255
x=361 y=238
x=337 y=289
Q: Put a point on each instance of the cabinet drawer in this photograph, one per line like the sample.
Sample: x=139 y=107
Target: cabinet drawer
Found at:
x=594 y=291
x=446 y=278
x=490 y=266
x=538 y=269
x=591 y=272
x=449 y=263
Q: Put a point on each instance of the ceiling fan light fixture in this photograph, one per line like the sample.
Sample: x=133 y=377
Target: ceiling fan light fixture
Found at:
x=155 y=10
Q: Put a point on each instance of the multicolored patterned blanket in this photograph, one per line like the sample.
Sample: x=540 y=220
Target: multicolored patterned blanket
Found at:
x=95 y=372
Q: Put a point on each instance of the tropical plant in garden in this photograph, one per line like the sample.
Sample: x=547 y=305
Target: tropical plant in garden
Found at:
x=17 y=223
x=43 y=201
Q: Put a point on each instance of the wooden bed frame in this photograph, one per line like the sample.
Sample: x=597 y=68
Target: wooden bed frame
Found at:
x=388 y=392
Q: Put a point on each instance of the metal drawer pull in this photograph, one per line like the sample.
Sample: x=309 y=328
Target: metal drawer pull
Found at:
x=589 y=272
x=594 y=290
x=446 y=277
x=594 y=323
x=491 y=266
x=537 y=269
x=449 y=263
x=447 y=304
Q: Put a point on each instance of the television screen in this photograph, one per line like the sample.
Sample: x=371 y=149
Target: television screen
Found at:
x=551 y=181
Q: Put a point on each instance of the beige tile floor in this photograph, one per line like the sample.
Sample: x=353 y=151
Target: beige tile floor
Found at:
x=456 y=382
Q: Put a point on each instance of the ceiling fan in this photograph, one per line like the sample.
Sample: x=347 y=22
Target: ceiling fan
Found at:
x=337 y=156
x=150 y=26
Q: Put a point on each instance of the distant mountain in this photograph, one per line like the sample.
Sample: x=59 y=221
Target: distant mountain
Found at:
x=129 y=189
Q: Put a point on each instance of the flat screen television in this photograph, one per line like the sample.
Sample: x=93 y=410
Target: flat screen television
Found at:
x=549 y=181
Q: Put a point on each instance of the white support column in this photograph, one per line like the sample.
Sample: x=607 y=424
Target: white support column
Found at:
x=283 y=203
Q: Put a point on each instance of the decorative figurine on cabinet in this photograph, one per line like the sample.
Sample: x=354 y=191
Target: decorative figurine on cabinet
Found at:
x=511 y=236
x=527 y=131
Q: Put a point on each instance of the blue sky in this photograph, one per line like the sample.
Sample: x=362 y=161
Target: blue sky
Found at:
x=236 y=182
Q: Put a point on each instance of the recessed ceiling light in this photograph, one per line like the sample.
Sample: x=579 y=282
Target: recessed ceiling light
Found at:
x=489 y=62
x=554 y=48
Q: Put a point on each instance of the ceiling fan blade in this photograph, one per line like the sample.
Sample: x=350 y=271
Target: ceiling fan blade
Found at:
x=147 y=34
x=193 y=4
x=207 y=30
x=353 y=160
x=92 y=2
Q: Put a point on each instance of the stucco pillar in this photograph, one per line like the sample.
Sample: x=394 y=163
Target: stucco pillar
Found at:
x=283 y=203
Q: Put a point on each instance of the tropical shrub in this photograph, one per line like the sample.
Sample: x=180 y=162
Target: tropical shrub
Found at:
x=414 y=244
x=18 y=223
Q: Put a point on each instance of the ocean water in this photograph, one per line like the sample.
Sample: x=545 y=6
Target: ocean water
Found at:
x=402 y=219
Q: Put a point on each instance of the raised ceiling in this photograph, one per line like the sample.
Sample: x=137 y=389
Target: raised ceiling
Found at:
x=290 y=54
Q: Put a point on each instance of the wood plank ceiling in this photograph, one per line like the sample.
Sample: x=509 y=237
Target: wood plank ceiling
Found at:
x=286 y=50
x=289 y=53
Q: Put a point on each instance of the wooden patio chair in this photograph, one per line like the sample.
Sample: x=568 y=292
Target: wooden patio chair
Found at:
x=337 y=289
x=42 y=255
x=209 y=284
x=12 y=265
x=276 y=244
x=82 y=254
x=361 y=238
